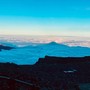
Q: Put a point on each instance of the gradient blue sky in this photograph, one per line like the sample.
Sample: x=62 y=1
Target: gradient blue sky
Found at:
x=45 y=17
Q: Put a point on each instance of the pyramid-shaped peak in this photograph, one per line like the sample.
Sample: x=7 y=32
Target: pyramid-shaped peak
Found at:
x=53 y=43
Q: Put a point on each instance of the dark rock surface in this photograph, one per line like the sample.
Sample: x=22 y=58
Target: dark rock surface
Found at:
x=51 y=73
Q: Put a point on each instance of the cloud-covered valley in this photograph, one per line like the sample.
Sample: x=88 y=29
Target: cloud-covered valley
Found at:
x=27 y=50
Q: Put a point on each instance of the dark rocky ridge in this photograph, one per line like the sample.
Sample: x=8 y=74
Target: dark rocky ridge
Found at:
x=63 y=60
x=49 y=72
x=2 y=47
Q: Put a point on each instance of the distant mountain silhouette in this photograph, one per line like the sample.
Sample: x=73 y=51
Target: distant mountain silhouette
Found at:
x=31 y=53
x=53 y=43
x=56 y=44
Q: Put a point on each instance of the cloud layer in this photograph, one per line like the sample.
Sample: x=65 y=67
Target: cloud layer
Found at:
x=30 y=54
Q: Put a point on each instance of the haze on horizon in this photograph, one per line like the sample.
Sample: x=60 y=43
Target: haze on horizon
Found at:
x=47 y=17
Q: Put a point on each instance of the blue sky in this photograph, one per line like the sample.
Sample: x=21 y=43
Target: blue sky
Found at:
x=45 y=17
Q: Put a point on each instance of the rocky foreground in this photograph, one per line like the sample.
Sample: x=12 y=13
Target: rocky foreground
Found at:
x=49 y=73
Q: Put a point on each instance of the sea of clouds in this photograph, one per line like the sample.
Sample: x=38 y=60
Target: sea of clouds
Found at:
x=28 y=49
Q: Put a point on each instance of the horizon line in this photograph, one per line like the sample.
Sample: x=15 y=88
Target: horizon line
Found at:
x=42 y=35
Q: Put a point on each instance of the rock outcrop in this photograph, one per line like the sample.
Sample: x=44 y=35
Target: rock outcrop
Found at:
x=63 y=60
x=2 y=47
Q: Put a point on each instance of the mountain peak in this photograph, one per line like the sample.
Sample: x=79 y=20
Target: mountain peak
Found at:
x=53 y=43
